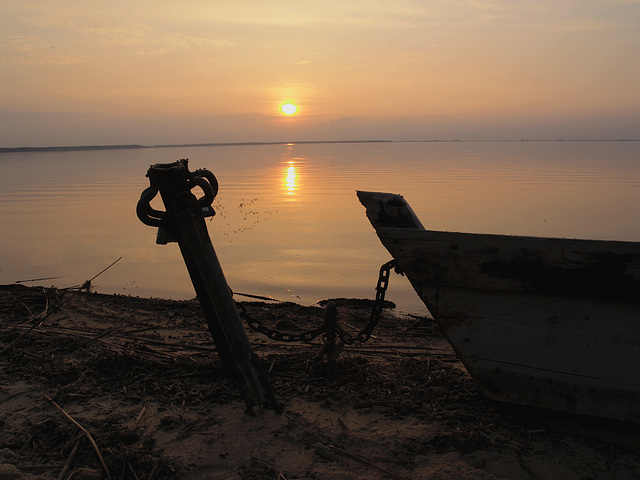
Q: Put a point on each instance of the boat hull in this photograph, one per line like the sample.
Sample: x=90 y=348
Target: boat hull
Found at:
x=552 y=323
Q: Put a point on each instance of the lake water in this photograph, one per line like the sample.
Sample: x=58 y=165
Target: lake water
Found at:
x=288 y=222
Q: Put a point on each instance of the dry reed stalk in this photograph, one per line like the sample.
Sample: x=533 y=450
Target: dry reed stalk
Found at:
x=86 y=433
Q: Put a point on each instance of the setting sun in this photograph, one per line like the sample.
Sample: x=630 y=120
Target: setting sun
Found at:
x=289 y=109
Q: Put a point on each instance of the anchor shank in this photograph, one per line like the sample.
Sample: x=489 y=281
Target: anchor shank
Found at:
x=217 y=303
x=184 y=222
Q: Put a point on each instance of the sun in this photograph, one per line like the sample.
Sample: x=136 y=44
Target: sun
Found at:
x=289 y=109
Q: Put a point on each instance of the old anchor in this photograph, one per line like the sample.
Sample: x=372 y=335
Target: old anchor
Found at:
x=183 y=221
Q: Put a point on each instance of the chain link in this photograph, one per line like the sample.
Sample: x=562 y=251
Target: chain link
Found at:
x=376 y=311
x=347 y=338
x=277 y=335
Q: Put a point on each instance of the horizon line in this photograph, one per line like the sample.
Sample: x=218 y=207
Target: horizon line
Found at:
x=226 y=144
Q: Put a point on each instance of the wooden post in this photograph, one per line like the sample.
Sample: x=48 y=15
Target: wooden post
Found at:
x=184 y=222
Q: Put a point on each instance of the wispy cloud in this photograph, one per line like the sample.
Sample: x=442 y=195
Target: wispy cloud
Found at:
x=174 y=42
x=28 y=50
x=122 y=35
x=150 y=41
x=56 y=39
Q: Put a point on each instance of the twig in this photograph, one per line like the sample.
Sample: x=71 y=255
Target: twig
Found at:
x=139 y=417
x=377 y=403
x=44 y=313
x=86 y=432
x=133 y=471
x=184 y=432
x=36 y=279
x=365 y=462
x=153 y=470
x=96 y=276
x=67 y=464
x=48 y=311
x=24 y=334
x=106 y=332
x=259 y=297
x=24 y=305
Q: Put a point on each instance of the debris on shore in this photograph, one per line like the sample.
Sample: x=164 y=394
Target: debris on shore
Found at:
x=110 y=386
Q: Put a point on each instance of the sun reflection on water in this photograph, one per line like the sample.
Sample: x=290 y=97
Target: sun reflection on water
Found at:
x=290 y=181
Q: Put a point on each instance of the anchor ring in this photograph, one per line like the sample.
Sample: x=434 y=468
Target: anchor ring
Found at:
x=206 y=187
x=147 y=214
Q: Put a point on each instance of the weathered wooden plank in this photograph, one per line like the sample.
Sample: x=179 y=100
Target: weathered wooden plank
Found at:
x=549 y=322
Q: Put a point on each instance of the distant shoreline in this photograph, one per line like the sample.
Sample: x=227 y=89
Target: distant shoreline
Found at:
x=305 y=142
x=131 y=147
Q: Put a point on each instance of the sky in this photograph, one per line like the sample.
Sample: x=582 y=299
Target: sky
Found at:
x=157 y=72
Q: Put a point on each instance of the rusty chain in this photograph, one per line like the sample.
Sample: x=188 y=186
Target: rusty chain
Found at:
x=277 y=335
x=376 y=311
x=347 y=338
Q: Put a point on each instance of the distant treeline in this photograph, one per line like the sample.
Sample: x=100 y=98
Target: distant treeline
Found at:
x=126 y=147
x=69 y=149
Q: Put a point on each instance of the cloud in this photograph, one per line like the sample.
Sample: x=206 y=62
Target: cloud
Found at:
x=173 y=42
x=29 y=50
x=86 y=42
x=83 y=33
x=115 y=34
x=150 y=41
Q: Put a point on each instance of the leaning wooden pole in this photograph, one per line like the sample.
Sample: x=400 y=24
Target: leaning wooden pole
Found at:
x=184 y=222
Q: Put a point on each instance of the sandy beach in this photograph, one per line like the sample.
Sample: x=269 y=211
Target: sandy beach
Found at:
x=102 y=386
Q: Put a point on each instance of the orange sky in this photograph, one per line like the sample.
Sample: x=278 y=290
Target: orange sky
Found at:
x=158 y=72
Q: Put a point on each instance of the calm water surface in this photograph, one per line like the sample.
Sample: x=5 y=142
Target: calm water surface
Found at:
x=288 y=222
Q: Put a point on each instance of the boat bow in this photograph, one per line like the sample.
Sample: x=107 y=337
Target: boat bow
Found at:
x=547 y=322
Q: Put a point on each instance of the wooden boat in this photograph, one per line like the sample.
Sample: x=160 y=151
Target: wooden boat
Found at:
x=545 y=322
